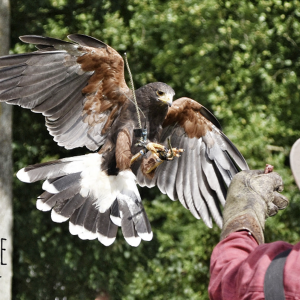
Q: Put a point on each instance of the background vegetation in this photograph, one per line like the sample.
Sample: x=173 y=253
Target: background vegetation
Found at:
x=239 y=58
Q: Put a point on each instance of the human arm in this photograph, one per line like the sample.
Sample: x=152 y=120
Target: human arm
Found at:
x=238 y=264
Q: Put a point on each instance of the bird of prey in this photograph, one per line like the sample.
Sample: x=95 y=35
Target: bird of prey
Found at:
x=79 y=86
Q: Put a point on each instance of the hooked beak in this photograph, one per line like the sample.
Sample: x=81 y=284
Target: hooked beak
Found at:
x=166 y=98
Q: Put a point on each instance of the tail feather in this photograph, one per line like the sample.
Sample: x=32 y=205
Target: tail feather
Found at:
x=133 y=204
x=73 y=203
x=127 y=224
x=47 y=200
x=62 y=183
x=86 y=214
x=41 y=203
x=76 y=224
x=115 y=214
x=52 y=169
x=90 y=218
x=106 y=229
x=96 y=204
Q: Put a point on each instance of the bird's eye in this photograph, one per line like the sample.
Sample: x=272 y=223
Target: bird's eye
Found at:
x=159 y=93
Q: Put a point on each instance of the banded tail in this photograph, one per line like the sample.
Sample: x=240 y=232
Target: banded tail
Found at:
x=96 y=204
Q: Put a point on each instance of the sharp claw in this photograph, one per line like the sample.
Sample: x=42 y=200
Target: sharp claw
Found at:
x=156 y=156
x=174 y=152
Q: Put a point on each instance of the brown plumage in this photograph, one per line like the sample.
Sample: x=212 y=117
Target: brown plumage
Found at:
x=80 y=89
x=187 y=113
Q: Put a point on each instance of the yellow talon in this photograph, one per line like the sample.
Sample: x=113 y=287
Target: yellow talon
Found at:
x=174 y=152
x=155 y=148
x=169 y=154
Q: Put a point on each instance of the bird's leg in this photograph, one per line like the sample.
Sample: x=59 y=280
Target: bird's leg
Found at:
x=137 y=156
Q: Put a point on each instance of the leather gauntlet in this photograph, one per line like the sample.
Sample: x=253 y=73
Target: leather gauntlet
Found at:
x=252 y=197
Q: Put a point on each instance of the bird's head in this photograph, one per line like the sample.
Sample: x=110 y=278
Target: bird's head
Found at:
x=159 y=93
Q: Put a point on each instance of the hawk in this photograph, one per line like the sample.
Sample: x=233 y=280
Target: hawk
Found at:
x=79 y=87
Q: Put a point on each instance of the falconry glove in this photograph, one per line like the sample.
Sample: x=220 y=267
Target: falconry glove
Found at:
x=252 y=197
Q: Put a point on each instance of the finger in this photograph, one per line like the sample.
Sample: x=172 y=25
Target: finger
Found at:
x=272 y=209
x=280 y=201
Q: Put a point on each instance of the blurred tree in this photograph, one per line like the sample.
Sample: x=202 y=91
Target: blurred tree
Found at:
x=6 y=213
x=238 y=58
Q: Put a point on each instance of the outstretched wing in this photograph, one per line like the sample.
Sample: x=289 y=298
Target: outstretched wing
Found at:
x=79 y=87
x=201 y=176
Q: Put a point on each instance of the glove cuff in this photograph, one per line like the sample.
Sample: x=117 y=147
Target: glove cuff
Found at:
x=246 y=221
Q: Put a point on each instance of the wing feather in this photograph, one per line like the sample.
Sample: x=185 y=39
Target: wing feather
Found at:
x=65 y=78
x=179 y=178
x=24 y=91
x=188 y=177
x=200 y=177
x=62 y=97
x=11 y=72
x=199 y=202
x=208 y=180
x=170 y=172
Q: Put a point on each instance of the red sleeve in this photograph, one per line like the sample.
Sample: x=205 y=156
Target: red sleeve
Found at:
x=238 y=266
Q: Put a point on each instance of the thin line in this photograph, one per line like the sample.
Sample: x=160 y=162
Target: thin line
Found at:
x=133 y=103
x=132 y=87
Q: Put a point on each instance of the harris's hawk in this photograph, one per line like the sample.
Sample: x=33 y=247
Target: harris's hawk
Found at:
x=79 y=87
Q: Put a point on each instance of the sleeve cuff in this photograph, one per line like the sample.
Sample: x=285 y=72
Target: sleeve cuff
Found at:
x=244 y=222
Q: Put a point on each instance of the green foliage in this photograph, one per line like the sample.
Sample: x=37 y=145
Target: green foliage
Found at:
x=239 y=59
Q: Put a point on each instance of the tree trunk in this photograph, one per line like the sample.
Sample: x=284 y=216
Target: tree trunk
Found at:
x=6 y=212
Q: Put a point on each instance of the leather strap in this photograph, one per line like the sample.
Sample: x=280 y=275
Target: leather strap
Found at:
x=273 y=284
